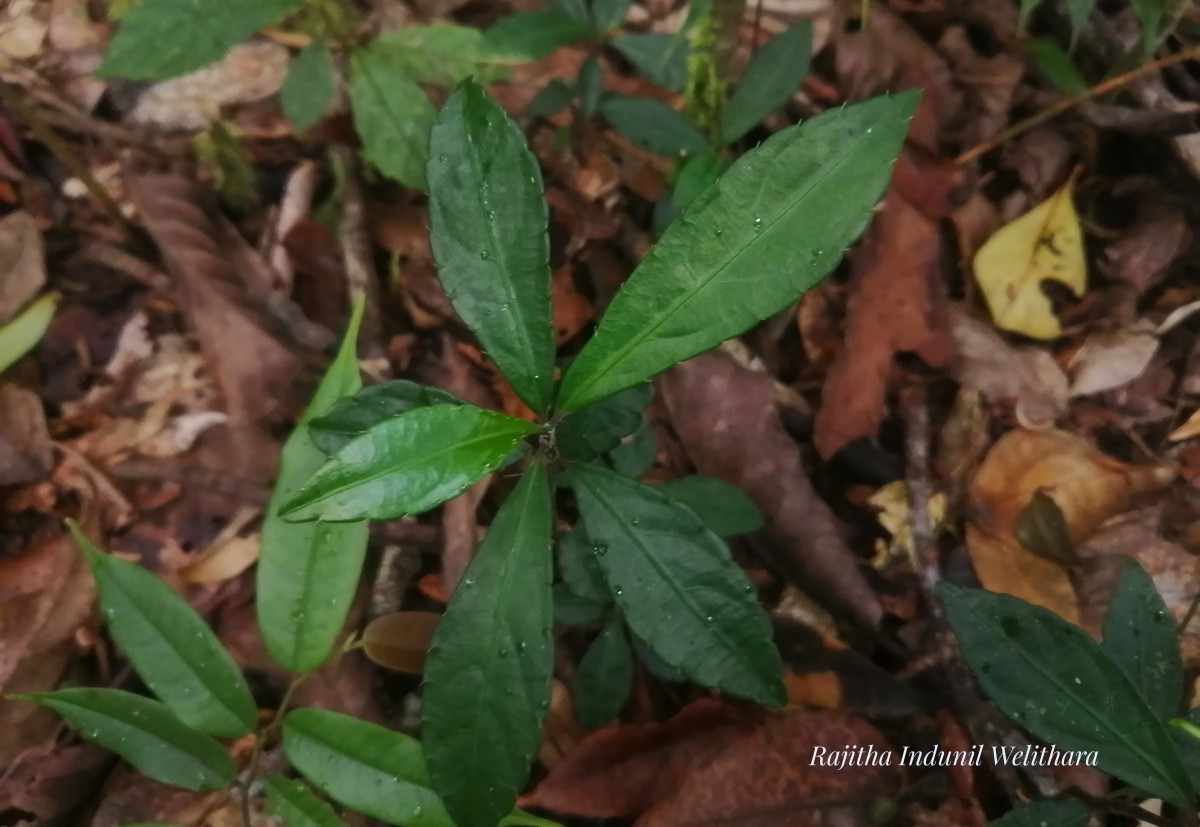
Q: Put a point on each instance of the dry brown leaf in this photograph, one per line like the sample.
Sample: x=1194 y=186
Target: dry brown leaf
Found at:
x=895 y=305
x=26 y=452
x=22 y=261
x=400 y=640
x=1087 y=486
x=572 y=310
x=726 y=418
x=1112 y=359
x=1145 y=251
x=50 y=786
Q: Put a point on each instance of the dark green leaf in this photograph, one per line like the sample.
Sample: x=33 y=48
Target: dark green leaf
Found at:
x=1046 y=814
x=659 y=58
x=571 y=609
x=634 y=456
x=657 y=666
x=353 y=415
x=678 y=587
x=1188 y=744
x=529 y=36
x=173 y=650
x=608 y=14
x=440 y=55
x=145 y=733
x=308 y=88
x=366 y=767
x=551 y=99
x=160 y=39
x=695 y=176
x=723 y=508
x=600 y=427
x=1150 y=20
x=1078 y=12
x=605 y=676
x=391 y=113
x=308 y=572
x=771 y=227
x=1028 y=7
x=590 y=86
x=1139 y=634
x=294 y=802
x=580 y=568
x=653 y=126
x=1056 y=65
x=572 y=10
x=1042 y=528
x=487 y=677
x=1050 y=677
x=408 y=464
x=770 y=80
x=487 y=228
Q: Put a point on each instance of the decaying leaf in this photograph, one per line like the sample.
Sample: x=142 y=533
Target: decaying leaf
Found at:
x=1113 y=359
x=1044 y=244
x=1088 y=488
x=22 y=261
x=26 y=452
x=725 y=416
x=400 y=640
x=892 y=502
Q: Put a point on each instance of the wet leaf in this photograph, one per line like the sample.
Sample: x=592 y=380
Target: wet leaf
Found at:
x=757 y=225
x=1045 y=243
x=678 y=587
x=400 y=640
x=772 y=77
x=363 y=766
x=160 y=39
x=353 y=415
x=308 y=572
x=487 y=229
x=605 y=676
x=653 y=126
x=292 y=801
x=391 y=113
x=580 y=568
x=1139 y=634
x=308 y=89
x=145 y=733
x=724 y=509
x=21 y=334
x=600 y=427
x=173 y=650
x=408 y=464
x=1051 y=678
x=487 y=677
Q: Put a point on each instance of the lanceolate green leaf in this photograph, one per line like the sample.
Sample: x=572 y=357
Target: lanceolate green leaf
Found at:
x=679 y=588
x=173 y=650
x=487 y=677
x=487 y=228
x=145 y=733
x=292 y=801
x=605 y=676
x=366 y=767
x=353 y=415
x=770 y=80
x=21 y=334
x=723 y=508
x=391 y=113
x=1050 y=677
x=308 y=572
x=308 y=88
x=1139 y=634
x=653 y=126
x=773 y=225
x=159 y=39
x=408 y=464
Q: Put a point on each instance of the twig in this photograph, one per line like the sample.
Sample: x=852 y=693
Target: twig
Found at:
x=1104 y=87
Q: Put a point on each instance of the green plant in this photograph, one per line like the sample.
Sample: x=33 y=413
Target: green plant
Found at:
x=644 y=562
x=1117 y=700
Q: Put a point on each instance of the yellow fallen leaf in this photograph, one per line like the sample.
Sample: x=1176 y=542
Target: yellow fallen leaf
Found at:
x=892 y=502
x=1187 y=430
x=1043 y=244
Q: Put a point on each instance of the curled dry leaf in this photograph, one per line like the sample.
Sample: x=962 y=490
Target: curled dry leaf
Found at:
x=1088 y=488
x=726 y=419
x=714 y=763
x=1112 y=359
x=400 y=640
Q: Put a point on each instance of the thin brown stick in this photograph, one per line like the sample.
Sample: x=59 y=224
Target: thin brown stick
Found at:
x=1104 y=87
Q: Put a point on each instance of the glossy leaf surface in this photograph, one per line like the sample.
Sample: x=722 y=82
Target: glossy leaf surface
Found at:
x=294 y=802
x=1139 y=634
x=353 y=415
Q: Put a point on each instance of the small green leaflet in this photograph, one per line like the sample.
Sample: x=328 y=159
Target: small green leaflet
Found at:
x=21 y=334
x=773 y=76
x=571 y=609
x=408 y=464
x=308 y=88
x=679 y=588
x=487 y=676
x=590 y=85
x=605 y=676
x=773 y=225
x=723 y=508
x=1046 y=814
x=294 y=802
x=308 y=572
x=364 y=766
x=600 y=427
x=391 y=113
x=634 y=456
x=1139 y=634
x=353 y=415
x=551 y=99
x=487 y=228
x=440 y=55
x=145 y=733
x=173 y=650
x=160 y=39
x=658 y=57
x=529 y=36
x=580 y=569
x=653 y=126
x=1050 y=677
x=1056 y=65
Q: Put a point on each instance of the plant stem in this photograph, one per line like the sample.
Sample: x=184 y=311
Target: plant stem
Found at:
x=1104 y=87
x=256 y=755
